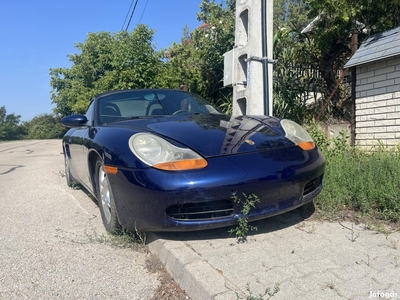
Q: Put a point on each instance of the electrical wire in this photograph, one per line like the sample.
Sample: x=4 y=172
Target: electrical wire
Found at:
x=143 y=11
x=133 y=11
x=127 y=14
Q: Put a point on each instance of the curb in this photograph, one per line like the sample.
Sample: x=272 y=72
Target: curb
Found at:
x=190 y=271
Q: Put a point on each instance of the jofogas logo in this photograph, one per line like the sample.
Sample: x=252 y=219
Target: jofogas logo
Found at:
x=385 y=295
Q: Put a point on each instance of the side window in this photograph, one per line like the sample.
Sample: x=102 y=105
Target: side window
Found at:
x=90 y=114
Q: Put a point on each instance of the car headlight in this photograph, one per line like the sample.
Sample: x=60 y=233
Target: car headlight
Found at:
x=158 y=153
x=297 y=134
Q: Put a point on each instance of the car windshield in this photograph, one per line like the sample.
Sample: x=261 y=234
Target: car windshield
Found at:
x=124 y=105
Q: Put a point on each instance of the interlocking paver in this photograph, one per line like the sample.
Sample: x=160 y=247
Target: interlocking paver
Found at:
x=310 y=259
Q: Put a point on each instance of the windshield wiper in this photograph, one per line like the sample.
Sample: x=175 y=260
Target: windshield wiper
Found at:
x=146 y=117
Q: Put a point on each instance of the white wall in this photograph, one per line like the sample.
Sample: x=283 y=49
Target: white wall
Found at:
x=378 y=103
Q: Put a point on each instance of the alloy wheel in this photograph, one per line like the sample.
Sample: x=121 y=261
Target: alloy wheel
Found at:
x=105 y=194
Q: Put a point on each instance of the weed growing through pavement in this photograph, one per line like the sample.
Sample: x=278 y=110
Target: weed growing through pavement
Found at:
x=268 y=294
x=353 y=236
x=381 y=228
x=378 y=226
x=248 y=202
x=331 y=286
x=73 y=186
x=124 y=238
x=363 y=261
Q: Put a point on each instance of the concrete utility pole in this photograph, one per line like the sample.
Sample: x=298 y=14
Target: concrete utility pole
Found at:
x=248 y=67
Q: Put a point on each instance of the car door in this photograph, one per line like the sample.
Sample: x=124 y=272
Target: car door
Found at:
x=78 y=147
x=87 y=144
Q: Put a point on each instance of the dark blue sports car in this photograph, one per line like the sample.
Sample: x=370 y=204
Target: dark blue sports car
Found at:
x=160 y=159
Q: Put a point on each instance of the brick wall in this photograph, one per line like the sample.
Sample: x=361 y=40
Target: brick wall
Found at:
x=378 y=103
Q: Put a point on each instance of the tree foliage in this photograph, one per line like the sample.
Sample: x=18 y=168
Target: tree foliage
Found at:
x=106 y=62
x=198 y=59
x=337 y=20
x=9 y=126
x=45 y=126
x=326 y=48
x=290 y=14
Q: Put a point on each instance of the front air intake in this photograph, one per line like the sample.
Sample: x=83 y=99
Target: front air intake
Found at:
x=311 y=186
x=201 y=210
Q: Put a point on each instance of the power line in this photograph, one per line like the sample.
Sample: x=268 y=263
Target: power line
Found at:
x=143 y=11
x=127 y=14
x=133 y=11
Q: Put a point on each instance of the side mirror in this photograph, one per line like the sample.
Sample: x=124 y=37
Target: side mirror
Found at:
x=74 y=121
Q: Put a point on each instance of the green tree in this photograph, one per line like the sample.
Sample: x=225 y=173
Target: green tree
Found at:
x=198 y=59
x=9 y=126
x=325 y=48
x=106 y=62
x=290 y=14
x=337 y=20
x=45 y=126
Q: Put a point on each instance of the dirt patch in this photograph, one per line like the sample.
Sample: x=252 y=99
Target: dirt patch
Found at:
x=168 y=288
x=370 y=222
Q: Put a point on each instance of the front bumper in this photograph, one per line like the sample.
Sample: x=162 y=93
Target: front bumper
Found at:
x=154 y=200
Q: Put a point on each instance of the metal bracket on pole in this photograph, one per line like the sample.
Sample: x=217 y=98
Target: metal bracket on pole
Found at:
x=270 y=61
x=256 y=58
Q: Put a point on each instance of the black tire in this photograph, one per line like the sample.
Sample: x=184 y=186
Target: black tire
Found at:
x=105 y=200
x=71 y=182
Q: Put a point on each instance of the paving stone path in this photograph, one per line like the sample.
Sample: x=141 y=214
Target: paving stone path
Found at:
x=309 y=260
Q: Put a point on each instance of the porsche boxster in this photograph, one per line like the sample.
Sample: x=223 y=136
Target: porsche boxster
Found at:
x=167 y=160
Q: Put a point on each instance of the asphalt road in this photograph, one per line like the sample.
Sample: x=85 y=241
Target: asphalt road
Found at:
x=52 y=242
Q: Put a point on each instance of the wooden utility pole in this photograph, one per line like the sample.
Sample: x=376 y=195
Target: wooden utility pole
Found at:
x=354 y=47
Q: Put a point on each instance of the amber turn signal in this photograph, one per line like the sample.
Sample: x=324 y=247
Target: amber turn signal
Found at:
x=180 y=165
x=306 y=145
x=111 y=170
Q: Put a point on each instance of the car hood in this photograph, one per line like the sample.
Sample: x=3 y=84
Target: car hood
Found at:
x=215 y=135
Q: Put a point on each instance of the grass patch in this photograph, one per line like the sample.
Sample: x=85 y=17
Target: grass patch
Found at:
x=124 y=239
x=366 y=182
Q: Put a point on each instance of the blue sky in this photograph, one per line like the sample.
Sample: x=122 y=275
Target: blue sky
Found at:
x=38 y=35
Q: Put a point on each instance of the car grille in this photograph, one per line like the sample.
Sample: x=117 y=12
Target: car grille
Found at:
x=311 y=186
x=201 y=210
